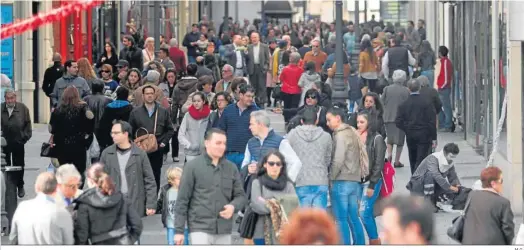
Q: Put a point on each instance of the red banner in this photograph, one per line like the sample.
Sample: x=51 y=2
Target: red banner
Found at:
x=40 y=19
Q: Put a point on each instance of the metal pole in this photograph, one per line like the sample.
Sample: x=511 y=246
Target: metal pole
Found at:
x=339 y=87
x=304 y=10
x=357 y=21
x=263 y=20
x=365 y=11
x=226 y=16
x=156 y=29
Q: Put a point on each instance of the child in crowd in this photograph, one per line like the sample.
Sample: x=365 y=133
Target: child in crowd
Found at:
x=166 y=204
x=355 y=90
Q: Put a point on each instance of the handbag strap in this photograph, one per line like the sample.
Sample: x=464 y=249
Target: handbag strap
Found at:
x=156 y=118
x=466 y=207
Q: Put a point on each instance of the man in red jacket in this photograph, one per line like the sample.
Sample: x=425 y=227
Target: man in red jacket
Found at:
x=444 y=80
x=177 y=56
x=289 y=78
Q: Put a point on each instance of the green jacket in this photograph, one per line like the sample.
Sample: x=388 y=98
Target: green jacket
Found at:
x=204 y=191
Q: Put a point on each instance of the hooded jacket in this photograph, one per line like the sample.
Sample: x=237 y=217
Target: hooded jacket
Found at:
x=306 y=82
x=117 y=110
x=133 y=55
x=313 y=146
x=105 y=220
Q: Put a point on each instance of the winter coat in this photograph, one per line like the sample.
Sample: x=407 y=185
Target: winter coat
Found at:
x=141 y=185
x=51 y=75
x=16 y=129
x=134 y=56
x=204 y=191
x=66 y=81
x=97 y=104
x=306 y=82
x=184 y=87
x=191 y=134
x=489 y=220
x=259 y=207
x=105 y=220
x=210 y=96
x=139 y=118
x=69 y=127
x=313 y=146
x=117 y=110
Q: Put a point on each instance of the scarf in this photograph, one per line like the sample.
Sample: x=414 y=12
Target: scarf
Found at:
x=277 y=219
x=277 y=185
x=364 y=159
x=199 y=114
x=443 y=164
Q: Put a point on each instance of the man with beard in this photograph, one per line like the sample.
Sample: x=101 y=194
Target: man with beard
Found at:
x=131 y=53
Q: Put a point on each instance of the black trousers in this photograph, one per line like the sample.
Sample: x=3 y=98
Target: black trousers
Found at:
x=174 y=145
x=75 y=156
x=258 y=81
x=269 y=90
x=290 y=101
x=156 y=159
x=370 y=83
x=15 y=154
x=419 y=147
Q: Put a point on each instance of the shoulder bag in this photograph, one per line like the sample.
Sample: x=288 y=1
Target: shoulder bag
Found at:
x=456 y=230
x=247 y=226
x=148 y=141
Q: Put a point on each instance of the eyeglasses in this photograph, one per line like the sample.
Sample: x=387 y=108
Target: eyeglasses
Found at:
x=312 y=96
x=106 y=71
x=273 y=163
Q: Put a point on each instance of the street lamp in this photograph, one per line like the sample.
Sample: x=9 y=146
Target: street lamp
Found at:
x=339 y=93
x=225 y=27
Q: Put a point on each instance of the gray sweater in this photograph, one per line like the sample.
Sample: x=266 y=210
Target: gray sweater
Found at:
x=259 y=206
x=191 y=134
x=313 y=146
x=66 y=81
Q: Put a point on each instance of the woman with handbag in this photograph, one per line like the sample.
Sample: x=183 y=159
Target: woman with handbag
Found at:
x=488 y=219
x=271 y=183
x=71 y=125
x=103 y=216
x=376 y=149
x=194 y=126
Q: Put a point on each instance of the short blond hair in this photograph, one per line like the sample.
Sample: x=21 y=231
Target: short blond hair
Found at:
x=173 y=173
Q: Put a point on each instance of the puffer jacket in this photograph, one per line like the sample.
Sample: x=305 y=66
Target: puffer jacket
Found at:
x=345 y=163
x=105 y=220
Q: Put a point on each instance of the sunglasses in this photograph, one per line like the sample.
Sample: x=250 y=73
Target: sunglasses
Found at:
x=312 y=96
x=273 y=163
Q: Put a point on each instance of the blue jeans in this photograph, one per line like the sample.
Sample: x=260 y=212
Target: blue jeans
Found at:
x=445 y=118
x=171 y=236
x=259 y=242
x=430 y=74
x=313 y=196
x=236 y=158
x=366 y=209
x=191 y=59
x=344 y=199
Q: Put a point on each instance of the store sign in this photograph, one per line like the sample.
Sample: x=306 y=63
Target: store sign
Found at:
x=6 y=61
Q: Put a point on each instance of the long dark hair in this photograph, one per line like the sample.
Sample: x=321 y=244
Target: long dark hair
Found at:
x=262 y=170
x=366 y=46
x=227 y=96
x=378 y=104
x=113 y=49
x=170 y=71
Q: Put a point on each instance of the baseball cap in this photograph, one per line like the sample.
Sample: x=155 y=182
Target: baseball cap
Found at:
x=122 y=63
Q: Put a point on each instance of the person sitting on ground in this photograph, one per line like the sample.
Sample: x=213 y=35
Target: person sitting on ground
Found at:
x=436 y=175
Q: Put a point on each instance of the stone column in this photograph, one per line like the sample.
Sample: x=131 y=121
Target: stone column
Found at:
x=46 y=45
x=23 y=60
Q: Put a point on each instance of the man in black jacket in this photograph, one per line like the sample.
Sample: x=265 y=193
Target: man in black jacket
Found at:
x=52 y=74
x=417 y=118
x=131 y=53
x=16 y=129
x=190 y=43
x=146 y=116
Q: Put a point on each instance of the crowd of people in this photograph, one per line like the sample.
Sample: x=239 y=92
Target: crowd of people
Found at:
x=124 y=115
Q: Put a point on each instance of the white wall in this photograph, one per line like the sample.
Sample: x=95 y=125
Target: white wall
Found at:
x=246 y=10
